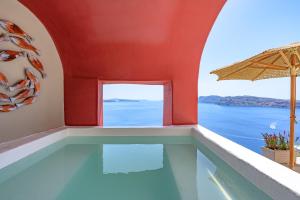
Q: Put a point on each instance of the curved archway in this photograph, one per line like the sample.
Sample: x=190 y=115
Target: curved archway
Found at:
x=102 y=40
x=49 y=104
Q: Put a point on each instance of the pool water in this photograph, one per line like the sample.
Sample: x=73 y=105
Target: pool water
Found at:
x=127 y=168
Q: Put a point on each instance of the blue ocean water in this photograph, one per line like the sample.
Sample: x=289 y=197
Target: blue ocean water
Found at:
x=140 y=113
x=243 y=125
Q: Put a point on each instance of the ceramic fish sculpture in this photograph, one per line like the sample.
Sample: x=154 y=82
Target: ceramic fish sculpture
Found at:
x=27 y=101
x=36 y=63
x=4 y=98
x=20 y=42
x=28 y=89
x=7 y=108
x=36 y=84
x=12 y=28
x=20 y=85
x=21 y=95
x=37 y=88
x=9 y=55
x=3 y=80
x=30 y=75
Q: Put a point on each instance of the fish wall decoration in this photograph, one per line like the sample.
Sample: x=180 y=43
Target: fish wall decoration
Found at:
x=12 y=28
x=4 y=98
x=36 y=63
x=3 y=80
x=26 y=91
x=7 y=108
x=30 y=75
x=27 y=101
x=22 y=84
x=9 y=55
x=20 y=42
x=23 y=94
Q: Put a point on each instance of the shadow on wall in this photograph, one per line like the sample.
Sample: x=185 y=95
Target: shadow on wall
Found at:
x=47 y=112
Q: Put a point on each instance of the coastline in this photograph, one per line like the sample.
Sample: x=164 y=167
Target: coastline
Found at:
x=246 y=101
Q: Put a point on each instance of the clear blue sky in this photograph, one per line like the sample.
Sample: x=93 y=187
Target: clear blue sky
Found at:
x=243 y=29
x=124 y=91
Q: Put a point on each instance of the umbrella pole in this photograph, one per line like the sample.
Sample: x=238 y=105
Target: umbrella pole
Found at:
x=292 y=117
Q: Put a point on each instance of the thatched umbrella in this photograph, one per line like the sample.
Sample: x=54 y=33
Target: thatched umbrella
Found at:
x=273 y=63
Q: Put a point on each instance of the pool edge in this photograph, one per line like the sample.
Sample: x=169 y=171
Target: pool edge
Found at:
x=274 y=179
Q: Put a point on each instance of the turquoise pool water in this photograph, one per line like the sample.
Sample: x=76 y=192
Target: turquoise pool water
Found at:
x=124 y=168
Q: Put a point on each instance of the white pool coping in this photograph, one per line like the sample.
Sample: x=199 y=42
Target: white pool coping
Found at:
x=274 y=179
x=277 y=181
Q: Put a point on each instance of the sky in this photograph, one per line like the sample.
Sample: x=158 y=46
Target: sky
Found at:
x=133 y=91
x=242 y=29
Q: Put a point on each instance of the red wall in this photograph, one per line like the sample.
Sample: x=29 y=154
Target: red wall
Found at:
x=134 y=40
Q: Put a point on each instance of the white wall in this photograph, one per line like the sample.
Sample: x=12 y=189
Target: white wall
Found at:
x=47 y=112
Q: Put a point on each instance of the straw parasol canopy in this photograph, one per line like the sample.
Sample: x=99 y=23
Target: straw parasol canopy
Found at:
x=273 y=63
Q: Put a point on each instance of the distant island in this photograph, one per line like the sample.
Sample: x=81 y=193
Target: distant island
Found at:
x=249 y=101
x=243 y=101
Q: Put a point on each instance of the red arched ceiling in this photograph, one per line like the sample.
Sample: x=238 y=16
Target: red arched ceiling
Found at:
x=133 y=40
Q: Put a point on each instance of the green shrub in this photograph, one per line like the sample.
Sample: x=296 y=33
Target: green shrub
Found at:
x=278 y=141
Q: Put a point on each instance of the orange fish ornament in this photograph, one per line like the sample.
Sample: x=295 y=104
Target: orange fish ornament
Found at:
x=20 y=42
x=36 y=63
x=27 y=101
x=30 y=75
x=4 y=98
x=12 y=28
x=7 y=108
x=37 y=88
x=9 y=55
x=21 y=95
x=33 y=79
x=3 y=80
x=20 y=85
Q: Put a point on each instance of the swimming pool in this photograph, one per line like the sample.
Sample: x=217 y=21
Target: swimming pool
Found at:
x=173 y=166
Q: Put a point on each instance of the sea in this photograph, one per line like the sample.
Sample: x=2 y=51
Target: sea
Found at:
x=243 y=125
